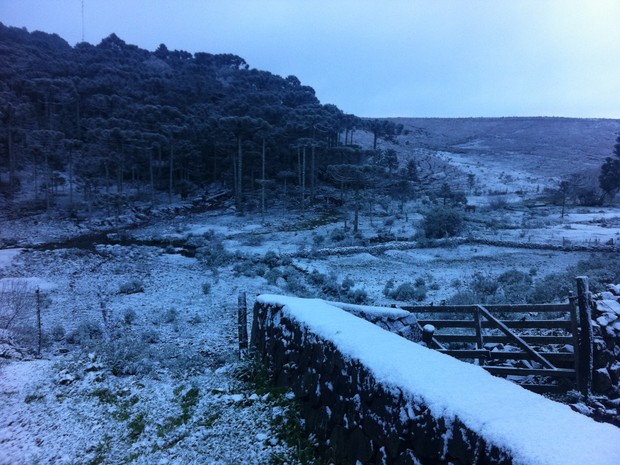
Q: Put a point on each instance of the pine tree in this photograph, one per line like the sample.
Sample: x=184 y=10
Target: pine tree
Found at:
x=609 y=179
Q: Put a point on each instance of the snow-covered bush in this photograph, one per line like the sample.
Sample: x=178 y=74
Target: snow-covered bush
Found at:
x=213 y=253
x=407 y=291
x=129 y=316
x=171 y=315
x=442 y=221
x=150 y=336
x=57 y=333
x=88 y=334
x=131 y=287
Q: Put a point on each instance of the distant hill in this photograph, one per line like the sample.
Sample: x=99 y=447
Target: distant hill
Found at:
x=543 y=146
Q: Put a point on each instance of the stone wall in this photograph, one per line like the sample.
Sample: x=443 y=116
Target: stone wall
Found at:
x=372 y=397
x=395 y=320
x=355 y=418
x=606 y=329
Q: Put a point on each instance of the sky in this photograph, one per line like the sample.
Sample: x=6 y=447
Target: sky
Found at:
x=388 y=58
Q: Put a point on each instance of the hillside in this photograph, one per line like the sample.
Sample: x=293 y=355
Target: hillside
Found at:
x=543 y=146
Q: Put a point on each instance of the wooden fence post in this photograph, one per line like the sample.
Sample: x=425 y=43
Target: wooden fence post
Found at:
x=585 y=336
x=242 y=323
x=427 y=335
x=39 y=324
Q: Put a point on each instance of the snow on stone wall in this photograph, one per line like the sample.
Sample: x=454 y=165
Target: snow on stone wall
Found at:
x=373 y=397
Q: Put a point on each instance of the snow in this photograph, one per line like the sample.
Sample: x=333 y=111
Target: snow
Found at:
x=533 y=429
x=29 y=282
x=7 y=256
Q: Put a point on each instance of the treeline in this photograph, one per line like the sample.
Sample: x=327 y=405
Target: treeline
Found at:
x=113 y=118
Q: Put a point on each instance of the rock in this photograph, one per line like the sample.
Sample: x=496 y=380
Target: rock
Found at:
x=614 y=372
x=601 y=380
x=608 y=306
x=603 y=358
x=614 y=289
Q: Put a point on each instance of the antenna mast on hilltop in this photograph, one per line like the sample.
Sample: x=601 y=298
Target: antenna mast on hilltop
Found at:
x=82 y=20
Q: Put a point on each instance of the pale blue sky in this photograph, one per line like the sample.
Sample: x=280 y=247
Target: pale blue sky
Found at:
x=382 y=58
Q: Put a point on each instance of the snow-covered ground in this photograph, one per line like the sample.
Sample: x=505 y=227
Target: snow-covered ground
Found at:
x=140 y=347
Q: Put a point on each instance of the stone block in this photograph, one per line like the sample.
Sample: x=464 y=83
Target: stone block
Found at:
x=601 y=380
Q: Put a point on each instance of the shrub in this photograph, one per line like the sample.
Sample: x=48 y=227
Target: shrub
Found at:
x=318 y=240
x=131 y=287
x=272 y=275
x=213 y=253
x=337 y=235
x=206 y=288
x=498 y=203
x=150 y=336
x=551 y=288
x=171 y=315
x=357 y=296
x=465 y=297
x=389 y=287
x=129 y=316
x=127 y=355
x=515 y=286
x=484 y=285
x=87 y=334
x=442 y=222
x=409 y=291
x=57 y=333
x=347 y=283
x=317 y=278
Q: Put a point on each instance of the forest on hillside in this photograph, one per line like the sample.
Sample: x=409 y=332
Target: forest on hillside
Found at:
x=112 y=123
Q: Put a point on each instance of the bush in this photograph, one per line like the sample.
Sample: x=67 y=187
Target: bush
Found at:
x=484 y=286
x=357 y=296
x=213 y=253
x=442 y=222
x=171 y=315
x=408 y=291
x=129 y=316
x=87 y=334
x=551 y=288
x=206 y=288
x=515 y=286
x=150 y=336
x=57 y=333
x=272 y=276
x=131 y=287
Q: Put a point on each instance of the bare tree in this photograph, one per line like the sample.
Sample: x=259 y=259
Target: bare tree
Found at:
x=16 y=297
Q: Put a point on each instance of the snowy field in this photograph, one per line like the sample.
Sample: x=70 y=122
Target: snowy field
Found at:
x=139 y=355
x=139 y=359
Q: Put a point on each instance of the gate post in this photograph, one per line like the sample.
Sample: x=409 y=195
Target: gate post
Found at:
x=585 y=336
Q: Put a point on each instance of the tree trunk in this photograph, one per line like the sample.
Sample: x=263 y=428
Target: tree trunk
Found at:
x=239 y=196
x=70 y=179
x=39 y=325
x=48 y=180
x=171 y=166
x=262 y=190
x=303 y=178
x=151 y=176
x=356 y=216
x=312 y=174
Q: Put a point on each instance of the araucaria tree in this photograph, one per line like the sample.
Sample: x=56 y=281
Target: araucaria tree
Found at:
x=609 y=178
